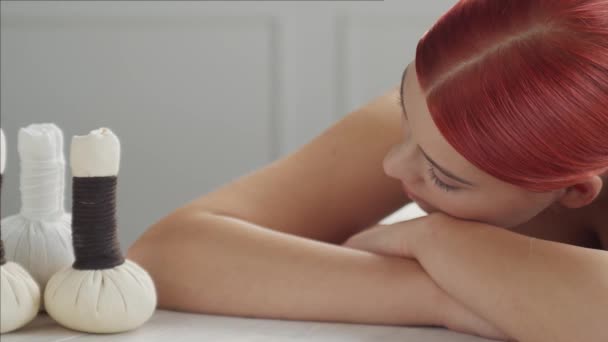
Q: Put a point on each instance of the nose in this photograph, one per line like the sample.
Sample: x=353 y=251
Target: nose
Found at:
x=399 y=162
x=390 y=164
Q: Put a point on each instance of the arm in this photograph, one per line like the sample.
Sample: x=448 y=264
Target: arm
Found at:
x=534 y=290
x=250 y=247
x=221 y=265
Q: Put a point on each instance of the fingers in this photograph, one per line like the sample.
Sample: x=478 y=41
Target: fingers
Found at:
x=381 y=239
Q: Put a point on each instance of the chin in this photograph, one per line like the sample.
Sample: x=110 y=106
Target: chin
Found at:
x=427 y=208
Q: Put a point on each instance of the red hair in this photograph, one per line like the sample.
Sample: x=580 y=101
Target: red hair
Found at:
x=520 y=87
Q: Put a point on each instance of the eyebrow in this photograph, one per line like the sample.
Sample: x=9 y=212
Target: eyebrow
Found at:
x=401 y=97
x=444 y=171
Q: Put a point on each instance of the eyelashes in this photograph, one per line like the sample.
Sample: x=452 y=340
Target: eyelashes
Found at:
x=400 y=101
x=439 y=183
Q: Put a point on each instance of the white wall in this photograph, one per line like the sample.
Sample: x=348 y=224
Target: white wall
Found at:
x=199 y=92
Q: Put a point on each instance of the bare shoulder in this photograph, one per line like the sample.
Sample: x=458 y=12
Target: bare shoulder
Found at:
x=330 y=188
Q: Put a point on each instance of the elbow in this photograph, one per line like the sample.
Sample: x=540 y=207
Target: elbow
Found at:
x=153 y=246
x=141 y=249
x=160 y=240
x=159 y=247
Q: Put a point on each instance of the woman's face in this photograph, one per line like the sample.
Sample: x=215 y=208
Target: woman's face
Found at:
x=438 y=178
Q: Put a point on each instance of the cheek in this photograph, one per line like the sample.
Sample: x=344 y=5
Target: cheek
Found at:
x=523 y=210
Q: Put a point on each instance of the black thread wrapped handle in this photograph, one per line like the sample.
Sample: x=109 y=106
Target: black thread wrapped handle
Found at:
x=94 y=233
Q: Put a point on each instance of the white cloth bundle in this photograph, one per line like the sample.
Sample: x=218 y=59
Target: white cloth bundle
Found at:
x=19 y=293
x=77 y=297
x=39 y=237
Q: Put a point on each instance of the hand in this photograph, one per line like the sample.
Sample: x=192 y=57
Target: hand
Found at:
x=398 y=239
x=406 y=239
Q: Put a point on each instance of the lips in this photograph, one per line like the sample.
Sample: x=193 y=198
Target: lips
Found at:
x=421 y=203
x=409 y=193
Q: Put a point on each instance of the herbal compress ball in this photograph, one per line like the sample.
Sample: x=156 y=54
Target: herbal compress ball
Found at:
x=40 y=238
x=19 y=293
x=102 y=292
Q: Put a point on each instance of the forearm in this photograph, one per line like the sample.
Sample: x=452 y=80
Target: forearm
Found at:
x=532 y=289
x=213 y=264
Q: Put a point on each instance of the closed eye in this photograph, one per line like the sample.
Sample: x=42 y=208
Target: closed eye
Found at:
x=439 y=183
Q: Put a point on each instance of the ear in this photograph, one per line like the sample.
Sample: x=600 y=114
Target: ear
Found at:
x=582 y=193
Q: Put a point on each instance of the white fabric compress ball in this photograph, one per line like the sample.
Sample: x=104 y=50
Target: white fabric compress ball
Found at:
x=19 y=297
x=39 y=237
x=42 y=248
x=19 y=293
x=101 y=301
x=101 y=292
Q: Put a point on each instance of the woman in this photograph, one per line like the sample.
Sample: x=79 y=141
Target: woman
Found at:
x=499 y=130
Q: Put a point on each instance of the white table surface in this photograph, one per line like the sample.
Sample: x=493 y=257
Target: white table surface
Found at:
x=177 y=327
